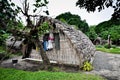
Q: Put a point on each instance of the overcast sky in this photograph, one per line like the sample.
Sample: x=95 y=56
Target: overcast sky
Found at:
x=57 y=7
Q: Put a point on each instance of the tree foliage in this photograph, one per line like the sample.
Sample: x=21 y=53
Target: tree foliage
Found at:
x=6 y=10
x=106 y=25
x=73 y=19
x=8 y=14
x=92 y=34
x=111 y=27
x=30 y=32
x=32 y=37
x=92 y=5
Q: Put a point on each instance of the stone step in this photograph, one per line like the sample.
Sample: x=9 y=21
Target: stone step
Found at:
x=39 y=60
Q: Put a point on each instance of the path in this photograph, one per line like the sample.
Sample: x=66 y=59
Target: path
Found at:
x=107 y=65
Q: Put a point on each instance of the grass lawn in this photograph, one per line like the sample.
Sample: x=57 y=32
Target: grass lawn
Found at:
x=115 y=50
x=12 y=74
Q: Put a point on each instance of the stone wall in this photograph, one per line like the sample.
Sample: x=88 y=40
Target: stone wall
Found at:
x=76 y=47
x=81 y=43
x=66 y=54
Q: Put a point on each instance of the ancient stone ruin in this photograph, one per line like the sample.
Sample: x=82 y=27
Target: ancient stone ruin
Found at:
x=75 y=46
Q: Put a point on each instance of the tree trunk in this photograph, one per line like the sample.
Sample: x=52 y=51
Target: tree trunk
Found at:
x=43 y=54
x=34 y=32
x=45 y=59
x=27 y=51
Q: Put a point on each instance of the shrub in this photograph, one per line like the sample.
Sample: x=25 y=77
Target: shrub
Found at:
x=107 y=46
x=55 y=69
x=99 y=46
x=87 y=66
x=113 y=46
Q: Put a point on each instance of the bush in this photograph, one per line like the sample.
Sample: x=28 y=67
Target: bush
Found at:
x=55 y=69
x=113 y=46
x=99 y=46
x=107 y=46
x=3 y=37
x=87 y=66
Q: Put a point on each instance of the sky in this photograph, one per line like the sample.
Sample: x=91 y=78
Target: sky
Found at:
x=56 y=7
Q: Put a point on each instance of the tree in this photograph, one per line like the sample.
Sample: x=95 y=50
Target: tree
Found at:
x=92 y=5
x=92 y=34
x=32 y=37
x=8 y=14
x=73 y=19
x=111 y=27
x=32 y=29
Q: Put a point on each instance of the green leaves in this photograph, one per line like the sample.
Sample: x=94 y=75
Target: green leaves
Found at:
x=8 y=10
x=47 y=12
x=87 y=66
x=93 y=5
x=91 y=33
x=73 y=19
x=44 y=28
x=111 y=27
x=46 y=2
x=40 y=4
x=12 y=4
x=18 y=8
x=38 y=1
x=3 y=36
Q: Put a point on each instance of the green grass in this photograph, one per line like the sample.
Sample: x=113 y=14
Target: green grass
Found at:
x=115 y=50
x=12 y=74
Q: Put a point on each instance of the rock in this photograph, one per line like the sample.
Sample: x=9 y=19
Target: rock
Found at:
x=79 y=40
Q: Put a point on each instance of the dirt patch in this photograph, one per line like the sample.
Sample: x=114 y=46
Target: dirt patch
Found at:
x=28 y=65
